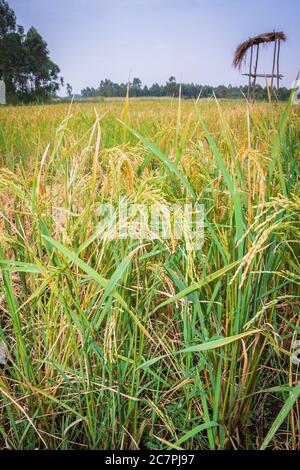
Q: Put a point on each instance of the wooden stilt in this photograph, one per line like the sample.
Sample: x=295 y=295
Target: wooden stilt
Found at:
x=250 y=72
x=274 y=60
x=255 y=71
x=278 y=55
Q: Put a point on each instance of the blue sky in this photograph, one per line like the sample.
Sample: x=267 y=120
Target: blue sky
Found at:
x=192 y=39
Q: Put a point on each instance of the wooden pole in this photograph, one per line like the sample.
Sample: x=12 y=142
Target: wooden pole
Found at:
x=250 y=72
x=278 y=54
x=255 y=71
x=263 y=75
x=274 y=60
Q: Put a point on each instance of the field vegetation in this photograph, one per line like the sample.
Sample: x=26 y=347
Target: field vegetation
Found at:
x=135 y=344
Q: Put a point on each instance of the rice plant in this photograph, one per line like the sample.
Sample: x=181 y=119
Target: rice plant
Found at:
x=144 y=344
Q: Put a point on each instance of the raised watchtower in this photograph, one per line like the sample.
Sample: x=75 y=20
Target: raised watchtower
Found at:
x=252 y=45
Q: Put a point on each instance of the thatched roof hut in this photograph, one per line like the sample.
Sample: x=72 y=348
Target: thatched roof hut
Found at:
x=242 y=49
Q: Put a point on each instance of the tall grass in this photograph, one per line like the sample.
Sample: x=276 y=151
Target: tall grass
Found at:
x=136 y=344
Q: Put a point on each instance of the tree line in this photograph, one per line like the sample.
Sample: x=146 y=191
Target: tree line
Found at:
x=107 y=88
x=25 y=65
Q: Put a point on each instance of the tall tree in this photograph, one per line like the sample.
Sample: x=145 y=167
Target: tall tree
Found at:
x=172 y=88
x=42 y=73
x=25 y=65
x=136 y=87
x=7 y=19
x=10 y=45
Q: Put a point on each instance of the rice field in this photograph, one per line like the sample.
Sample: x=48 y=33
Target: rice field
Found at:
x=138 y=344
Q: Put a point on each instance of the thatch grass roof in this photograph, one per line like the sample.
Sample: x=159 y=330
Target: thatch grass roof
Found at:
x=241 y=52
